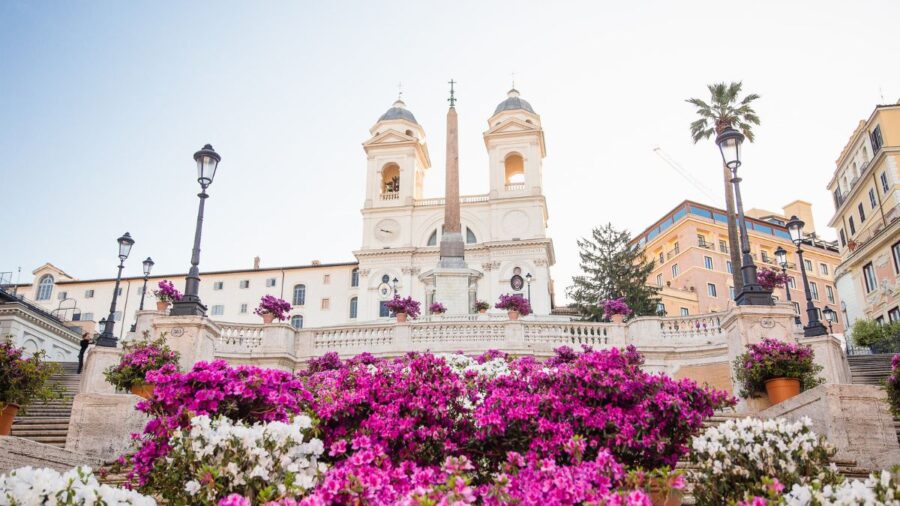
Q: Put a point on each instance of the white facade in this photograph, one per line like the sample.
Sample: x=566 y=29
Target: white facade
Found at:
x=28 y=328
x=506 y=232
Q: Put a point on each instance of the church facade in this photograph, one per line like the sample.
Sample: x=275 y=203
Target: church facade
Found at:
x=504 y=230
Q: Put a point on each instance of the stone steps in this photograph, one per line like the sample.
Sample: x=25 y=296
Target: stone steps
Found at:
x=872 y=370
x=48 y=422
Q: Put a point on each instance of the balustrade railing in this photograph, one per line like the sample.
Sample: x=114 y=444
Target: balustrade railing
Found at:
x=691 y=326
x=515 y=187
x=390 y=196
x=241 y=336
x=462 y=332
x=439 y=201
x=572 y=334
x=358 y=336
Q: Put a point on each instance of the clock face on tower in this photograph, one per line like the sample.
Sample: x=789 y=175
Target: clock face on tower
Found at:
x=387 y=230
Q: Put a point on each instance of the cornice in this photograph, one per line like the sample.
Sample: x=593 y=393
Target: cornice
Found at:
x=24 y=313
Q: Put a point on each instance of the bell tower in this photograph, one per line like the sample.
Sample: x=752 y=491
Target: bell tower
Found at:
x=397 y=158
x=515 y=144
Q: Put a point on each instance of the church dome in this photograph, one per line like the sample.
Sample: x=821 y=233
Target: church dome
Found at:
x=513 y=102
x=398 y=111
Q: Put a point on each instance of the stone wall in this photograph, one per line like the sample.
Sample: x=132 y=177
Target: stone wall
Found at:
x=18 y=452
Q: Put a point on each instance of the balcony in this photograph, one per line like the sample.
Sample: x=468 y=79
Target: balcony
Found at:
x=706 y=245
x=514 y=187
x=390 y=196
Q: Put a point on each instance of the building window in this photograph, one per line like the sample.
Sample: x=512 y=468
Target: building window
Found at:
x=354 y=277
x=884 y=182
x=676 y=249
x=796 y=307
x=660 y=309
x=895 y=250
x=711 y=290
x=823 y=269
x=729 y=267
x=271 y=282
x=829 y=293
x=245 y=283
x=218 y=310
x=675 y=270
x=297 y=321
x=862 y=213
x=808 y=264
x=701 y=240
x=843 y=238
x=852 y=226
x=514 y=168
x=869 y=277
x=685 y=312
x=383 y=311
x=819 y=315
x=432 y=239
x=390 y=179
x=243 y=309
x=63 y=295
x=792 y=283
x=723 y=246
x=872 y=200
x=299 y=295
x=731 y=292
x=707 y=262
x=894 y=315
x=326 y=304
x=880 y=320
x=88 y=294
x=814 y=290
x=87 y=317
x=354 y=306
x=45 y=287
x=659 y=280
x=876 y=139
x=470 y=236
x=326 y=279
x=218 y=285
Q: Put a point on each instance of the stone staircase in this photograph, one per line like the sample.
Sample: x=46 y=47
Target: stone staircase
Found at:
x=872 y=370
x=48 y=422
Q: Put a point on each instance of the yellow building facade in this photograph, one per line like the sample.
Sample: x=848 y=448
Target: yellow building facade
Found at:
x=865 y=188
x=689 y=246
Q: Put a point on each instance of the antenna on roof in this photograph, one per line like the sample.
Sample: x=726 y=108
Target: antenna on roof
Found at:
x=400 y=90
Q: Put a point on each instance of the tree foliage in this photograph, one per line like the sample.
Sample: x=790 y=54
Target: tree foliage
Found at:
x=724 y=109
x=611 y=268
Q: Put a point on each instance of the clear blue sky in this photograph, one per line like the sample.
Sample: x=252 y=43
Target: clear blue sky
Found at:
x=103 y=103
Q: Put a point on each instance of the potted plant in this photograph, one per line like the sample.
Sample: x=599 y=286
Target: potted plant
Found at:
x=437 y=308
x=22 y=381
x=770 y=280
x=481 y=306
x=403 y=308
x=165 y=294
x=140 y=357
x=515 y=305
x=271 y=307
x=616 y=309
x=781 y=370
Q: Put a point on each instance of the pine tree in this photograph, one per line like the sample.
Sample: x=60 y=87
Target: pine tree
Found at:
x=612 y=269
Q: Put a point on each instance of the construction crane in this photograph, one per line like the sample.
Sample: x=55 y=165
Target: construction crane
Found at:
x=713 y=196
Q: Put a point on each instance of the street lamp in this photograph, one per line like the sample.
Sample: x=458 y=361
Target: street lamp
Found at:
x=830 y=317
x=107 y=338
x=781 y=258
x=813 y=327
x=528 y=281
x=189 y=305
x=394 y=285
x=148 y=264
x=752 y=293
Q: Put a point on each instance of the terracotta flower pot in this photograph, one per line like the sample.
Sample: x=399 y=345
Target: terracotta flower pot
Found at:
x=617 y=318
x=660 y=498
x=7 y=415
x=482 y=311
x=268 y=318
x=144 y=390
x=162 y=305
x=513 y=315
x=401 y=317
x=782 y=389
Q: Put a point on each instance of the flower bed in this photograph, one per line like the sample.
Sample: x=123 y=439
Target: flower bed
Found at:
x=771 y=358
x=410 y=307
x=269 y=304
x=140 y=357
x=514 y=302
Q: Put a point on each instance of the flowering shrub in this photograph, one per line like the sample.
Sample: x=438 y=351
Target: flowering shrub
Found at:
x=28 y=486
x=878 y=489
x=616 y=306
x=140 y=357
x=411 y=307
x=269 y=304
x=437 y=308
x=514 y=302
x=771 y=358
x=166 y=292
x=743 y=458
x=481 y=305
x=769 y=279
x=215 y=458
x=23 y=380
x=893 y=386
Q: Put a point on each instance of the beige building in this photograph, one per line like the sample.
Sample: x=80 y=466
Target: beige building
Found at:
x=867 y=217
x=693 y=267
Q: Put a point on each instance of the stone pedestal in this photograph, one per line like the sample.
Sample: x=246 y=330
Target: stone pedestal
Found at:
x=194 y=337
x=830 y=355
x=854 y=418
x=453 y=287
x=97 y=360
x=101 y=424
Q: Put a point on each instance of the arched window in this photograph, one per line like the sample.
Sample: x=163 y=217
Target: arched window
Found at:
x=299 y=295
x=354 y=277
x=515 y=169
x=45 y=287
x=390 y=179
x=297 y=321
x=354 y=307
x=432 y=239
x=470 y=236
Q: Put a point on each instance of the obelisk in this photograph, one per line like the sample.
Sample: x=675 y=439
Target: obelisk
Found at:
x=452 y=245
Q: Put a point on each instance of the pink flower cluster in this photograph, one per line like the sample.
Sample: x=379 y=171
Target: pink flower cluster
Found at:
x=437 y=308
x=616 y=306
x=769 y=279
x=269 y=304
x=167 y=292
x=139 y=359
x=769 y=350
x=411 y=307
x=514 y=302
x=893 y=385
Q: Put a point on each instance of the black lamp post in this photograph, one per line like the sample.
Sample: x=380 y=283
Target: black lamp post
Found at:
x=528 y=278
x=752 y=294
x=830 y=317
x=101 y=325
x=813 y=327
x=781 y=258
x=148 y=264
x=189 y=305
x=394 y=285
x=107 y=338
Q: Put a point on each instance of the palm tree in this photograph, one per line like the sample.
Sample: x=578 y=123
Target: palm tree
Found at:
x=725 y=109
